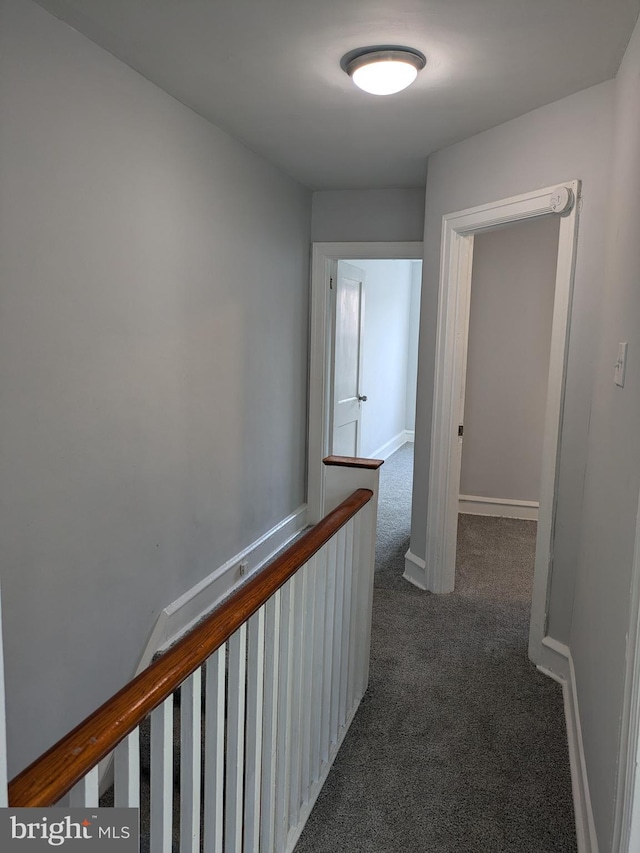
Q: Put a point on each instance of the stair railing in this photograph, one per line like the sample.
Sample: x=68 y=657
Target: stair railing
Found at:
x=269 y=683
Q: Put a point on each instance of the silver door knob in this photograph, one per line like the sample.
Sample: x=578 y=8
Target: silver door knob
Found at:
x=362 y=398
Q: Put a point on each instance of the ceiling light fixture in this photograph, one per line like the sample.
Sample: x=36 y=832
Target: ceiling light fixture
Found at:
x=383 y=70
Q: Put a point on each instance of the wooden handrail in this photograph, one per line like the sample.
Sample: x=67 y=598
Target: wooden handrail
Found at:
x=52 y=775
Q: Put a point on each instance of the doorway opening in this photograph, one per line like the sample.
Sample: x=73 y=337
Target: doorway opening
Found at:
x=509 y=342
x=375 y=315
x=322 y=386
x=507 y=368
x=459 y=230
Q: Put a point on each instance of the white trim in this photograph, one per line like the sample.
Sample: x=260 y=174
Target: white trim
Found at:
x=390 y=447
x=585 y=825
x=626 y=827
x=555 y=660
x=450 y=369
x=410 y=435
x=323 y=255
x=414 y=570
x=177 y=618
x=499 y=507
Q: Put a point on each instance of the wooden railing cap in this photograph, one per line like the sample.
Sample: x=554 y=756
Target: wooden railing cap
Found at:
x=353 y=462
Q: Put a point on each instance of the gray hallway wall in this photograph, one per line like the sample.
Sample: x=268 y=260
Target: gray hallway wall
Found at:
x=600 y=625
x=512 y=292
x=153 y=363
x=391 y=215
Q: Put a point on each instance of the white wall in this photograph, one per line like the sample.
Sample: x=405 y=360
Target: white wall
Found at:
x=522 y=155
x=600 y=614
x=512 y=291
x=392 y=215
x=386 y=347
x=153 y=363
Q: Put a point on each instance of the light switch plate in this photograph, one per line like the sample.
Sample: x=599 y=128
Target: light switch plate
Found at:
x=620 y=366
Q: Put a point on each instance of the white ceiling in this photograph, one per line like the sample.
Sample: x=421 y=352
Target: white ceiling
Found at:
x=268 y=71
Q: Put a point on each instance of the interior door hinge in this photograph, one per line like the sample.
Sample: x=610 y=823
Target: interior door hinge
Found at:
x=460 y=429
x=331 y=282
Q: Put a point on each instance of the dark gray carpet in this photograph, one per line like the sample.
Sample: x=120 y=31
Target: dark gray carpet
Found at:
x=459 y=743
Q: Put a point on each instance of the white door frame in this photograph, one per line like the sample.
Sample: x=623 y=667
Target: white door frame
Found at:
x=323 y=257
x=456 y=262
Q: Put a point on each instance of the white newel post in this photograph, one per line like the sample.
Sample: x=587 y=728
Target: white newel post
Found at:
x=3 y=726
x=342 y=476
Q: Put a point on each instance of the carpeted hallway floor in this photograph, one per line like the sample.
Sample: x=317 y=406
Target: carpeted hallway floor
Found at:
x=459 y=744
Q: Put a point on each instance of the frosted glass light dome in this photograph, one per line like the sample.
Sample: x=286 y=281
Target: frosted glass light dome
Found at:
x=385 y=72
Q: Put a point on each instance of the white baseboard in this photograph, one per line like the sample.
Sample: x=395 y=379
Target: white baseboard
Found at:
x=502 y=507
x=552 y=658
x=562 y=670
x=176 y=619
x=395 y=443
x=415 y=570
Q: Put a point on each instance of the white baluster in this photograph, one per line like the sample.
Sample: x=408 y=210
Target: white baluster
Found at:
x=317 y=669
x=354 y=623
x=214 y=751
x=287 y=654
x=190 y=762
x=127 y=771
x=85 y=792
x=161 y=793
x=365 y=571
x=306 y=649
x=346 y=622
x=270 y=723
x=337 y=636
x=253 y=749
x=296 y=696
x=329 y=644
x=367 y=560
x=234 y=810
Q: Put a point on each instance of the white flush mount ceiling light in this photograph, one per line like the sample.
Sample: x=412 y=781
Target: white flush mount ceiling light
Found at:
x=383 y=70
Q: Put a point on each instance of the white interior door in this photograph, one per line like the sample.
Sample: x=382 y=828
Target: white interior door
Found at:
x=347 y=363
